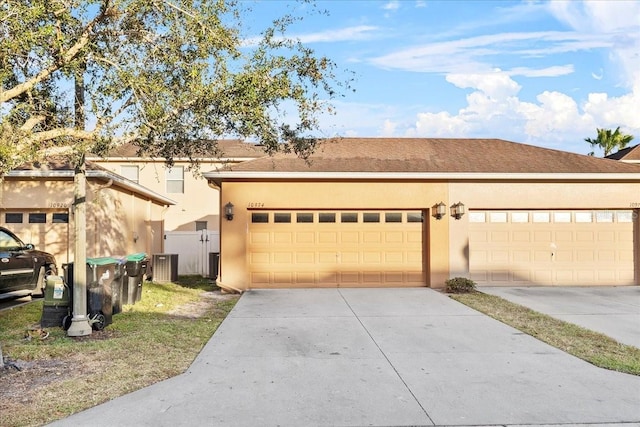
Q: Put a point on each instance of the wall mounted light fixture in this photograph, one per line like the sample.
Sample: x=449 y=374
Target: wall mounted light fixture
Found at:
x=228 y=211
x=457 y=210
x=439 y=210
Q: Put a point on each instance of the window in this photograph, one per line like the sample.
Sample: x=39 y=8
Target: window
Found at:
x=327 y=217
x=282 y=218
x=60 y=218
x=348 y=217
x=584 y=217
x=37 y=218
x=476 y=217
x=371 y=217
x=13 y=218
x=520 y=217
x=625 y=216
x=562 y=217
x=414 y=217
x=541 y=217
x=175 y=179
x=498 y=217
x=304 y=217
x=260 y=217
x=393 y=217
x=604 y=216
x=130 y=172
x=201 y=225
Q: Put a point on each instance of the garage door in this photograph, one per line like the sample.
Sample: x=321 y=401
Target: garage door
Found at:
x=328 y=249
x=551 y=248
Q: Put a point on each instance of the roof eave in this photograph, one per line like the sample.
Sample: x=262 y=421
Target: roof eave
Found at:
x=396 y=176
x=96 y=174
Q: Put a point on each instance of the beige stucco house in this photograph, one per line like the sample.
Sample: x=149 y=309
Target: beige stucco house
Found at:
x=123 y=217
x=196 y=205
x=364 y=213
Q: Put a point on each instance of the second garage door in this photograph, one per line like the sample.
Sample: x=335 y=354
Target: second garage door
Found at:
x=329 y=249
x=552 y=248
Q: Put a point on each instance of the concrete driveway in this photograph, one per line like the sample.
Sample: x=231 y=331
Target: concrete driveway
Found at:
x=380 y=357
x=611 y=310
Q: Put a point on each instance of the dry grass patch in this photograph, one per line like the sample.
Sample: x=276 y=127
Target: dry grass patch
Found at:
x=155 y=339
x=591 y=346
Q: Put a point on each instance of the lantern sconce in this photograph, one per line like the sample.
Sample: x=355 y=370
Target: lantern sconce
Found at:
x=228 y=211
x=457 y=210
x=438 y=211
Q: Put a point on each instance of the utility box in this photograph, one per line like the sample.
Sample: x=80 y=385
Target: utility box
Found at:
x=165 y=268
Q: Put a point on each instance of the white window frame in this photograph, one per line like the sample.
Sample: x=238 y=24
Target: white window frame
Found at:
x=175 y=179
x=131 y=172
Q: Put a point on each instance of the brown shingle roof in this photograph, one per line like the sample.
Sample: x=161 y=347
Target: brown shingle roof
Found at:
x=626 y=154
x=434 y=155
x=226 y=148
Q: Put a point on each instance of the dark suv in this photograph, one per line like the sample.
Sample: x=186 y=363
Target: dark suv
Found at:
x=22 y=268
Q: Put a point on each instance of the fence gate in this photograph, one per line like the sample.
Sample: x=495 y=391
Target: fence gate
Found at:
x=193 y=248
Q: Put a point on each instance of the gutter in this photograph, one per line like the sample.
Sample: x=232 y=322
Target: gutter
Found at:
x=218 y=177
x=96 y=174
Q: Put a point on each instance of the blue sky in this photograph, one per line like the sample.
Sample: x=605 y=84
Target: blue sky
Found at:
x=537 y=72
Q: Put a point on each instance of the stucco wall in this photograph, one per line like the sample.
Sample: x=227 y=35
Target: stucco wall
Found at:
x=199 y=202
x=329 y=195
x=118 y=221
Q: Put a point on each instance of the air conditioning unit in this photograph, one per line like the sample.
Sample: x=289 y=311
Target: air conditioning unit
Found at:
x=165 y=268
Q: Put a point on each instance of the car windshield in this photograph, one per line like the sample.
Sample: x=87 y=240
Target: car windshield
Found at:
x=8 y=242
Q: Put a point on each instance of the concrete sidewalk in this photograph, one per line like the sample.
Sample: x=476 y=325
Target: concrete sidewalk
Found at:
x=610 y=310
x=381 y=357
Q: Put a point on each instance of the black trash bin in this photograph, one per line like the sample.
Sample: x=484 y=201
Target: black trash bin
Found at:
x=135 y=267
x=101 y=273
x=214 y=262
x=117 y=286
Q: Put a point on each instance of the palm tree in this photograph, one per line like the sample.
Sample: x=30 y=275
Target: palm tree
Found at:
x=609 y=140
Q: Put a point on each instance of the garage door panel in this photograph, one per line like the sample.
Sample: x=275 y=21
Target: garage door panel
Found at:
x=260 y=258
x=335 y=253
x=328 y=258
x=282 y=257
x=521 y=236
x=304 y=237
x=305 y=258
x=571 y=248
x=261 y=237
x=328 y=238
x=282 y=238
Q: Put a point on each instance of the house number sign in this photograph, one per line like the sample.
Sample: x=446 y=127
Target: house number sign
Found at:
x=255 y=205
x=58 y=205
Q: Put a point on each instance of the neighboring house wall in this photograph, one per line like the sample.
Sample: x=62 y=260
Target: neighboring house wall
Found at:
x=196 y=203
x=119 y=221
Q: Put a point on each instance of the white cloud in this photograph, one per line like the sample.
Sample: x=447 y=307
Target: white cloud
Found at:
x=494 y=110
x=495 y=85
x=392 y=5
x=421 y=3
x=360 y=32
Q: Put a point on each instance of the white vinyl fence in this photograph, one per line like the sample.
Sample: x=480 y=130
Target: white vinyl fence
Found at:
x=193 y=248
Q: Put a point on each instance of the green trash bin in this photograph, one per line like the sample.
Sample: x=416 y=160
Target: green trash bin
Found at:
x=135 y=267
x=57 y=302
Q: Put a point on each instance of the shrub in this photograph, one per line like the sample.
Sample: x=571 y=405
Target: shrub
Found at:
x=460 y=285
